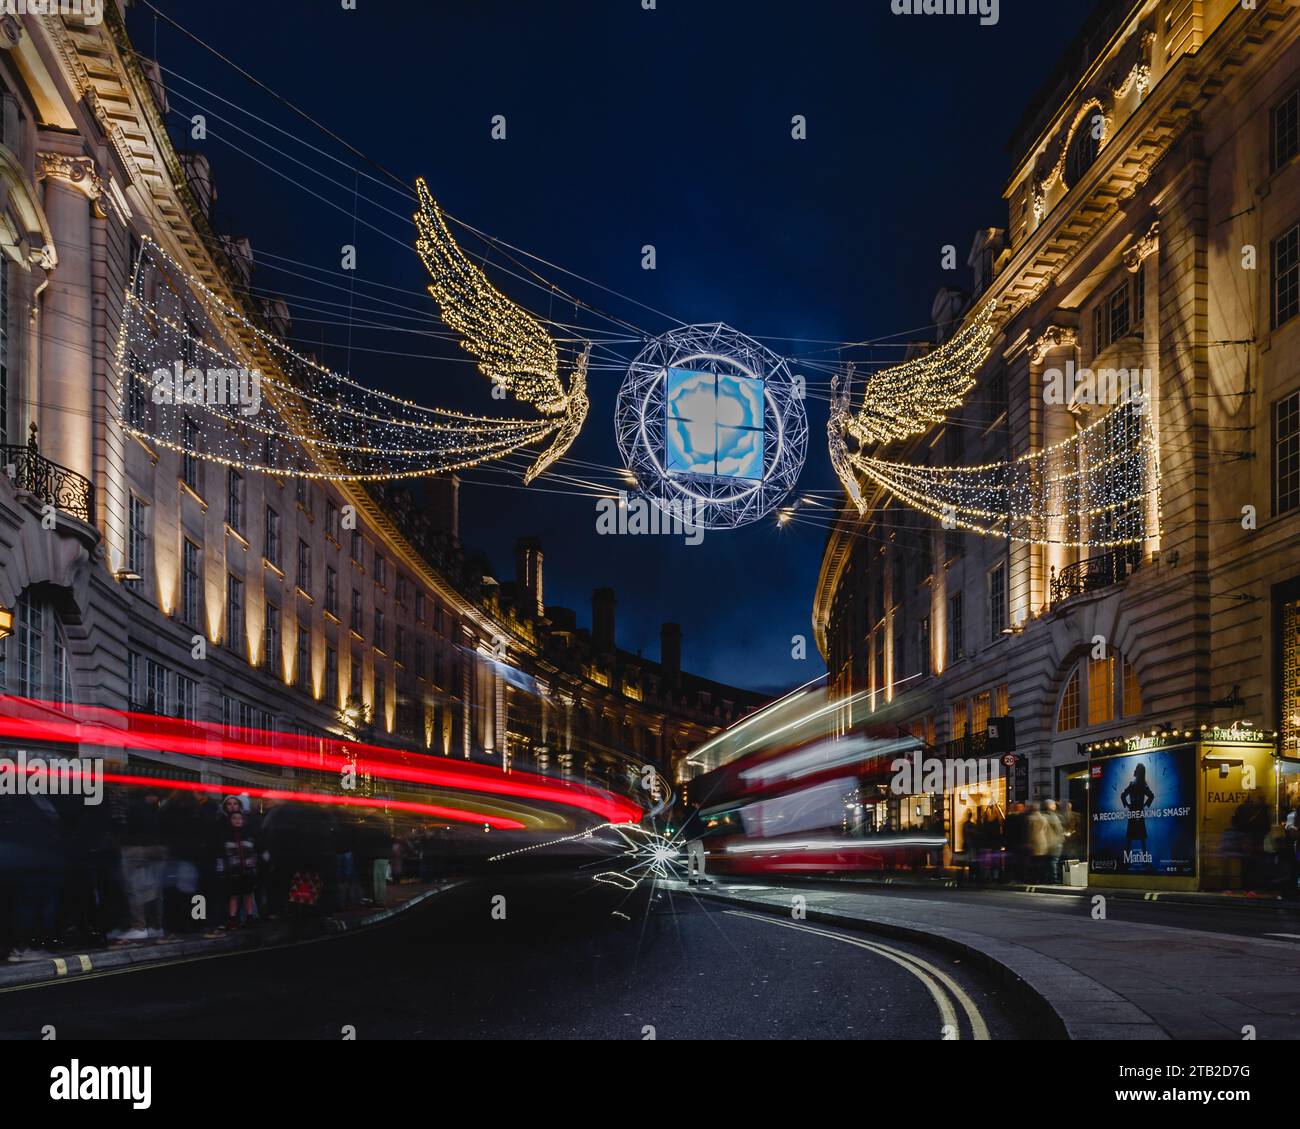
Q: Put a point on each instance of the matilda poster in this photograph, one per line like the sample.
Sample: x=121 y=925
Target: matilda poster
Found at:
x=1143 y=813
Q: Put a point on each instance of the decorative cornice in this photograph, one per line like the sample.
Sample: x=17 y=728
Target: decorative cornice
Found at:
x=1143 y=249
x=1053 y=337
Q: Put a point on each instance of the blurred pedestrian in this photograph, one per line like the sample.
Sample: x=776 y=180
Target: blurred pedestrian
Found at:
x=144 y=858
x=237 y=864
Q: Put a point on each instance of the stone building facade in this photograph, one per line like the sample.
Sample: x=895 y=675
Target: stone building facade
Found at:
x=1152 y=224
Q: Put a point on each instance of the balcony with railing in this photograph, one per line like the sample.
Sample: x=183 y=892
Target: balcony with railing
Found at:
x=1094 y=573
x=47 y=481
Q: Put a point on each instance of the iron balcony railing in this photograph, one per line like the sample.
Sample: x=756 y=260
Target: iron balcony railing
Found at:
x=1095 y=573
x=48 y=482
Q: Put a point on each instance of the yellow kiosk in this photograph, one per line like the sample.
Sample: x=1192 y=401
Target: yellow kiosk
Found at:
x=1188 y=810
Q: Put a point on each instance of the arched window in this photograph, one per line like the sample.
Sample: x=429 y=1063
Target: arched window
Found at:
x=1084 y=146
x=1099 y=691
x=36 y=653
x=1067 y=715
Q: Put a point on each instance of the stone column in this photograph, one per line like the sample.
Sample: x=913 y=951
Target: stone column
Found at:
x=66 y=394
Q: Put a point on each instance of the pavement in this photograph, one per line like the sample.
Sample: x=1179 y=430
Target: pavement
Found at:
x=1104 y=978
x=66 y=965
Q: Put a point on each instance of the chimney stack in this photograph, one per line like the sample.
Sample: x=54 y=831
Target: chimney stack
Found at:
x=670 y=652
x=528 y=573
x=602 y=620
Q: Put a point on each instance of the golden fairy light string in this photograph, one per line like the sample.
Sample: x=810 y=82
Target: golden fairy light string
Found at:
x=1099 y=488
x=188 y=381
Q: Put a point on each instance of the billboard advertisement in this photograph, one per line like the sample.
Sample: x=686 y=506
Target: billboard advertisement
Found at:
x=1143 y=813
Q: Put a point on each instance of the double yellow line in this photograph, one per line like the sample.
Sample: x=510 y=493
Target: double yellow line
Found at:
x=942 y=987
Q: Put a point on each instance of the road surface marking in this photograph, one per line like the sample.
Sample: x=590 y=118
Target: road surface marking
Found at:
x=927 y=973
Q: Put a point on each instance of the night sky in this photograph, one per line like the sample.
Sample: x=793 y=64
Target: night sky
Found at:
x=625 y=127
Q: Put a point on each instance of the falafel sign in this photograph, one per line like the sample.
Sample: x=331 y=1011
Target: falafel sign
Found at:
x=1143 y=813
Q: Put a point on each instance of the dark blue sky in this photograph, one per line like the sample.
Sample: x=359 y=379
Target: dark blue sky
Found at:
x=626 y=127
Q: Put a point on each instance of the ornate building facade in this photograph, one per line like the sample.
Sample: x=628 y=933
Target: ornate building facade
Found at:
x=1153 y=226
x=138 y=576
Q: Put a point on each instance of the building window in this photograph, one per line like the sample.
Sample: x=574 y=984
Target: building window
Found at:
x=235 y=500
x=419 y=658
x=381 y=699
x=358 y=548
x=135 y=535
x=272 y=549
x=234 y=613
x=379 y=628
x=1101 y=690
x=1002 y=700
x=1286 y=276
x=303 y=493
x=187 y=698
x=304 y=566
x=42 y=670
x=980 y=707
x=439 y=620
x=956 y=626
x=302 y=661
x=960 y=720
x=1286 y=129
x=354 y=678
x=331 y=675
x=272 y=657
x=438 y=670
x=189 y=583
x=399 y=645
x=381 y=571
x=332 y=519
x=1130 y=689
x=923 y=645
x=155 y=687
x=355 y=622
x=331 y=591
x=419 y=606
x=401 y=589
x=997 y=601
x=189 y=457
x=1067 y=716
x=1286 y=454
x=1083 y=150
x=1117 y=312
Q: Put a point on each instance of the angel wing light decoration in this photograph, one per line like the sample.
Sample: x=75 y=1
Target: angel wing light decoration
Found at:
x=512 y=347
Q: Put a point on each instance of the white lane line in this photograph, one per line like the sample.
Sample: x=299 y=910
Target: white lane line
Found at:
x=927 y=973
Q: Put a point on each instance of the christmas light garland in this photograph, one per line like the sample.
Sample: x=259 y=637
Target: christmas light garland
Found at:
x=1094 y=489
x=908 y=399
x=512 y=347
x=197 y=376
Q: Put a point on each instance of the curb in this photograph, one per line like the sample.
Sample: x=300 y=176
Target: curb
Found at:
x=1165 y=897
x=75 y=965
x=1075 y=1005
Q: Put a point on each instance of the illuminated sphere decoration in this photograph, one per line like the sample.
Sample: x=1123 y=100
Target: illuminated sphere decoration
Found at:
x=712 y=425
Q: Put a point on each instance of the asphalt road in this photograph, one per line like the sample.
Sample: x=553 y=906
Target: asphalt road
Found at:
x=570 y=959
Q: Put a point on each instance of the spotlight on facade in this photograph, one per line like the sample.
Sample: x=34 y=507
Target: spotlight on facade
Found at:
x=6 y=623
x=128 y=576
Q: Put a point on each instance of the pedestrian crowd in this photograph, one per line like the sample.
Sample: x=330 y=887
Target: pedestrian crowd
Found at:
x=155 y=865
x=1031 y=844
